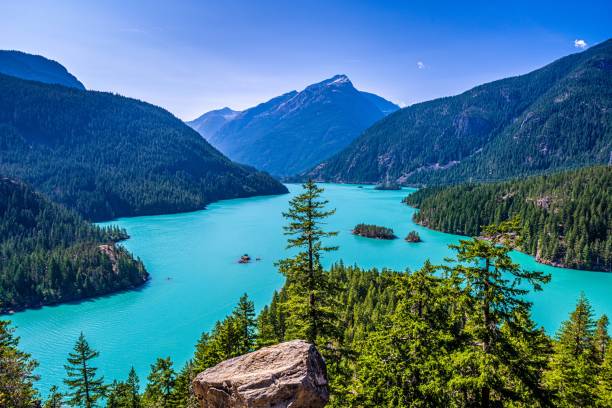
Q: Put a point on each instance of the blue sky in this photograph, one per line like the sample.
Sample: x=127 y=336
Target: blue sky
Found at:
x=194 y=56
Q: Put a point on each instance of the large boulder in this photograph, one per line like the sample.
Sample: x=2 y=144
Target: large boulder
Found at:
x=287 y=375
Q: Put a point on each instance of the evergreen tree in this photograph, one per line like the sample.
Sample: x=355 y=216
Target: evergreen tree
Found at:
x=86 y=388
x=244 y=315
x=233 y=336
x=124 y=394
x=602 y=338
x=565 y=217
x=492 y=297
x=204 y=356
x=405 y=360
x=604 y=381
x=133 y=386
x=306 y=280
x=161 y=384
x=16 y=371
x=271 y=322
x=183 y=395
x=114 y=394
x=54 y=400
x=573 y=367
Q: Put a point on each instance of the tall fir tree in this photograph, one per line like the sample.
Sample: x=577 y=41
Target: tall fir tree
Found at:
x=183 y=395
x=271 y=321
x=124 y=394
x=133 y=387
x=309 y=315
x=161 y=384
x=573 y=368
x=244 y=315
x=16 y=371
x=601 y=338
x=85 y=387
x=493 y=296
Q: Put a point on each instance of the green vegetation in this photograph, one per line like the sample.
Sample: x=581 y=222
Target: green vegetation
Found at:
x=85 y=387
x=49 y=254
x=108 y=156
x=16 y=372
x=387 y=186
x=306 y=282
x=413 y=236
x=565 y=217
x=373 y=231
x=556 y=117
x=457 y=335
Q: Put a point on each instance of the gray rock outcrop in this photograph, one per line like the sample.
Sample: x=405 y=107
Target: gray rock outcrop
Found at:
x=286 y=375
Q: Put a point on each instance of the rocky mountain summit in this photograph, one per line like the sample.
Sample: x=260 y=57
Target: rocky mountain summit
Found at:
x=290 y=374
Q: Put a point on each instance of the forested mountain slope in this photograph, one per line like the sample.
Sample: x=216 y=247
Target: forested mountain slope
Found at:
x=49 y=254
x=36 y=68
x=292 y=132
x=566 y=217
x=109 y=156
x=556 y=117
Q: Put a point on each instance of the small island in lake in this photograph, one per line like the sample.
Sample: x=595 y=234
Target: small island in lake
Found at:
x=413 y=236
x=387 y=186
x=244 y=259
x=373 y=231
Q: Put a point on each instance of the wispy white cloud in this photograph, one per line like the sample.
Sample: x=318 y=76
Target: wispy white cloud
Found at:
x=580 y=43
x=420 y=65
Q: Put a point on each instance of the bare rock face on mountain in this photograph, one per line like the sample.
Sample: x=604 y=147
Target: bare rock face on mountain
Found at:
x=290 y=374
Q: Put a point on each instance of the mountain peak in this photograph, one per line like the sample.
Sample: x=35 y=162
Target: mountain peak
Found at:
x=335 y=81
x=338 y=80
x=36 y=68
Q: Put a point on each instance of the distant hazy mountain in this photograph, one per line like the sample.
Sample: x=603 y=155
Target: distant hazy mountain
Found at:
x=36 y=68
x=294 y=131
x=210 y=122
x=559 y=116
x=108 y=156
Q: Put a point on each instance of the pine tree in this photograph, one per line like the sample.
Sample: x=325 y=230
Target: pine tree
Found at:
x=86 y=388
x=124 y=394
x=133 y=385
x=306 y=280
x=604 y=381
x=271 y=322
x=573 y=367
x=204 y=356
x=16 y=371
x=244 y=314
x=161 y=383
x=492 y=296
x=183 y=395
x=54 y=400
x=114 y=394
x=602 y=338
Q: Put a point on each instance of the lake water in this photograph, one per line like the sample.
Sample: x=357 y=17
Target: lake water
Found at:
x=196 y=280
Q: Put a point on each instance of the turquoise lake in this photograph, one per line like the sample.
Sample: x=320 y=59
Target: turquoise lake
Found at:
x=196 y=280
